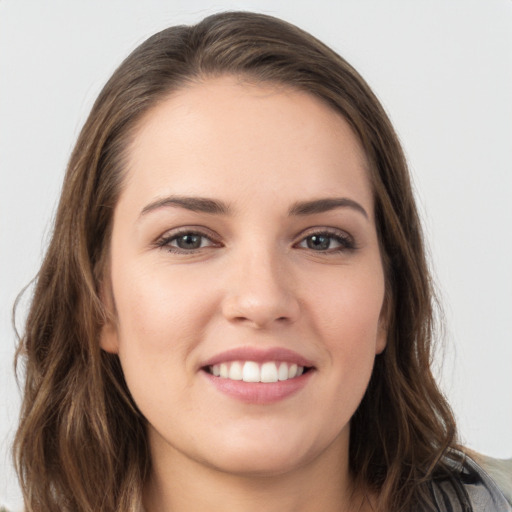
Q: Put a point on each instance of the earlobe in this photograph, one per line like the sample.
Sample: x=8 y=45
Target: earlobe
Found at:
x=109 y=340
x=382 y=337
x=382 y=328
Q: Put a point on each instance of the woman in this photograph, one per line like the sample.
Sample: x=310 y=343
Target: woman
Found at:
x=235 y=311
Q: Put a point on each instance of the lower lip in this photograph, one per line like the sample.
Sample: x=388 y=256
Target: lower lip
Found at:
x=259 y=392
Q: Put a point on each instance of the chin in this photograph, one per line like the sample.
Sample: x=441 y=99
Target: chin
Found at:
x=259 y=465
x=262 y=459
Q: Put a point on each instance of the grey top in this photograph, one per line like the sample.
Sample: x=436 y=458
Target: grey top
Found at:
x=478 y=487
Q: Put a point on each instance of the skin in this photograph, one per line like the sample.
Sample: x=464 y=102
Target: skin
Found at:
x=254 y=282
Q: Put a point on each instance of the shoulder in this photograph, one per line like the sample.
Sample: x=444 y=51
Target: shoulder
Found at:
x=474 y=482
x=499 y=470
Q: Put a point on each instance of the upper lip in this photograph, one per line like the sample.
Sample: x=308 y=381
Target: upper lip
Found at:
x=258 y=355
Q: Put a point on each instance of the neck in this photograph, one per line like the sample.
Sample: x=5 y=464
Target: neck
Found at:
x=180 y=484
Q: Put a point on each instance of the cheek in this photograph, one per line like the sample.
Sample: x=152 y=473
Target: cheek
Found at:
x=348 y=307
x=161 y=316
x=159 y=324
x=347 y=318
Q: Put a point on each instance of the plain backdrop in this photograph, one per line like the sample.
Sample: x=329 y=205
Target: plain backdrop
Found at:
x=443 y=71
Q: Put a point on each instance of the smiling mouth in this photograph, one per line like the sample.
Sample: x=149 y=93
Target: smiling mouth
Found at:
x=251 y=371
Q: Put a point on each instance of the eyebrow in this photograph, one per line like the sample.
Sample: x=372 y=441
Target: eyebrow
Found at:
x=195 y=204
x=216 y=207
x=325 y=205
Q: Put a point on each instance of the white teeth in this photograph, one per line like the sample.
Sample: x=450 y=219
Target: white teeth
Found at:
x=269 y=372
x=283 y=371
x=235 y=372
x=250 y=371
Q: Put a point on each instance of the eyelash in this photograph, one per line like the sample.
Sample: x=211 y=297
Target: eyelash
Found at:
x=166 y=240
x=345 y=241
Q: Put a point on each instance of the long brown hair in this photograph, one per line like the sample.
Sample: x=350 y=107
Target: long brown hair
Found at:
x=81 y=443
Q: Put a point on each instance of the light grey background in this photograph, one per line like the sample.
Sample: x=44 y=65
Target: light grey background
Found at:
x=443 y=70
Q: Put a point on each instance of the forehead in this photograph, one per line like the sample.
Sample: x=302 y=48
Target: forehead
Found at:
x=225 y=136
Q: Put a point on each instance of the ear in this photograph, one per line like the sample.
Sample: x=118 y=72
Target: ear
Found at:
x=382 y=328
x=382 y=338
x=109 y=339
x=109 y=335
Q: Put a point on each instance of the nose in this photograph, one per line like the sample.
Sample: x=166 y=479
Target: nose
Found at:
x=260 y=292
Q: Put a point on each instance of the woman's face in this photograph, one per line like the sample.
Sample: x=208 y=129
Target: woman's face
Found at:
x=244 y=252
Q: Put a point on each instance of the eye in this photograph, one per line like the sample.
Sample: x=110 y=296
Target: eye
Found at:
x=327 y=242
x=186 y=242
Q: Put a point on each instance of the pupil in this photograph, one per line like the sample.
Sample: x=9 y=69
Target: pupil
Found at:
x=189 y=242
x=319 y=242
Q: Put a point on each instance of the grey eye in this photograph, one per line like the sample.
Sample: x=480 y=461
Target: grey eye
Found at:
x=189 y=241
x=319 y=242
x=327 y=242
